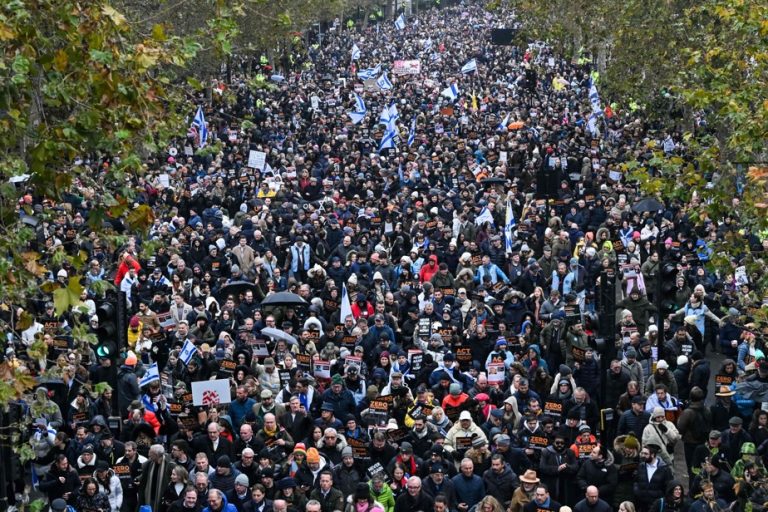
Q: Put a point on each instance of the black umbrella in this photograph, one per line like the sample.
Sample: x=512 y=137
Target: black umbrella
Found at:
x=649 y=204
x=283 y=299
x=493 y=181
x=235 y=288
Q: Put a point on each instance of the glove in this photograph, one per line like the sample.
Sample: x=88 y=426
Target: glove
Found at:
x=663 y=428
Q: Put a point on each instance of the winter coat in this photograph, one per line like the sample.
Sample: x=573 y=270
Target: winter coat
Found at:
x=695 y=423
x=500 y=486
x=468 y=490
x=655 y=433
x=647 y=491
x=385 y=497
x=560 y=483
x=113 y=490
x=602 y=475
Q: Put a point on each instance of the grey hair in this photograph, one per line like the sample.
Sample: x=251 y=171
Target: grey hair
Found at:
x=157 y=449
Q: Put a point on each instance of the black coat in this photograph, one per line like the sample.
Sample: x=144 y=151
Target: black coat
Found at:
x=647 y=491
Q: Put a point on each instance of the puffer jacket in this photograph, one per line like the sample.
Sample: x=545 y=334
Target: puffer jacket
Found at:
x=113 y=489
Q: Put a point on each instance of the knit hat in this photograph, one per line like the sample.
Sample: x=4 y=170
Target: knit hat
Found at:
x=347 y=452
x=131 y=359
x=631 y=443
x=662 y=365
x=300 y=448
x=630 y=353
x=478 y=441
x=337 y=379
x=313 y=456
x=657 y=411
x=242 y=479
x=286 y=483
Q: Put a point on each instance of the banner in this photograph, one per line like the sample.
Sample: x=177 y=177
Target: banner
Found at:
x=211 y=392
x=256 y=159
x=406 y=67
x=322 y=369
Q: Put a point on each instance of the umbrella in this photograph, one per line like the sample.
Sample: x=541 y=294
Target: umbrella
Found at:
x=283 y=299
x=649 y=204
x=277 y=78
x=753 y=390
x=279 y=335
x=493 y=181
x=235 y=288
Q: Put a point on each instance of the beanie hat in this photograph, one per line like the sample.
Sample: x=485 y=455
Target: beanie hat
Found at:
x=657 y=411
x=300 y=448
x=242 y=479
x=131 y=359
x=662 y=364
x=631 y=443
x=347 y=452
x=313 y=456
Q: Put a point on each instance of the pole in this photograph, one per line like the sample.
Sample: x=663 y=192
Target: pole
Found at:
x=5 y=440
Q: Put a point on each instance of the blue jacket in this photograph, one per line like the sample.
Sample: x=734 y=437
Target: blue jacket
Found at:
x=226 y=506
x=237 y=411
x=468 y=490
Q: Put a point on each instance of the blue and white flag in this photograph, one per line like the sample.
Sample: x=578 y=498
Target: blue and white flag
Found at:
x=389 y=117
x=592 y=124
x=187 y=351
x=358 y=114
x=152 y=375
x=504 y=123
x=346 y=307
x=383 y=82
x=367 y=74
x=434 y=57
x=388 y=140
x=534 y=132
x=594 y=98
x=400 y=22
x=509 y=226
x=355 y=52
x=451 y=92
x=412 y=132
x=484 y=216
x=428 y=44
x=469 y=67
x=202 y=127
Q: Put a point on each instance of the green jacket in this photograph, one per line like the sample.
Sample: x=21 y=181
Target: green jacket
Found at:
x=385 y=497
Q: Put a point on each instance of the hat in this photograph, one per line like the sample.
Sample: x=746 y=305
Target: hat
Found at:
x=501 y=341
x=465 y=415
x=134 y=322
x=482 y=397
x=88 y=448
x=327 y=406
x=102 y=465
x=406 y=447
x=131 y=359
x=223 y=462
x=269 y=362
x=347 y=452
x=313 y=456
x=631 y=443
x=337 y=379
x=267 y=473
x=286 y=483
x=584 y=428
x=638 y=399
x=455 y=389
x=266 y=393
x=733 y=312
x=681 y=360
x=725 y=391
x=58 y=505
x=736 y=420
x=630 y=353
x=437 y=468
x=714 y=434
x=662 y=364
x=242 y=479
x=657 y=411
x=503 y=440
x=529 y=477
x=300 y=448
x=479 y=441
x=449 y=357
x=497 y=413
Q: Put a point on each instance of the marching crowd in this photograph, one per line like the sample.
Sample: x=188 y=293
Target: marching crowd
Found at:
x=411 y=329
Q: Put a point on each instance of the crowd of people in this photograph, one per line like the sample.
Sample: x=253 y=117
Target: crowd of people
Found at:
x=437 y=350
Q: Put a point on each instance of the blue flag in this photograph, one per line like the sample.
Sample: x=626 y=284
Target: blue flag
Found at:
x=388 y=140
x=202 y=127
x=187 y=351
x=384 y=83
x=152 y=375
x=412 y=132
x=469 y=67
x=503 y=124
x=400 y=22
x=451 y=92
x=509 y=226
x=355 y=52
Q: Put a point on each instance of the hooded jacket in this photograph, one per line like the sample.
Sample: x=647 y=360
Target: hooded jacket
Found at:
x=113 y=489
x=226 y=506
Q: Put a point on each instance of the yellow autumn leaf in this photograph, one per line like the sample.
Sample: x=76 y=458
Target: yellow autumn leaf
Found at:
x=112 y=13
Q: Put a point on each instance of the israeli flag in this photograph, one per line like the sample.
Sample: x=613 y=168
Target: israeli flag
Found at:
x=485 y=216
x=152 y=375
x=358 y=114
x=469 y=67
x=389 y=117
x=428 y=44
x=187 y=351
x=384 y=83
x=509 y=226
x=412 y=132
x=400 y=22
x=594 y=98
x=388 y=140
x=451 y=92
x=394 y=115
x=346 y=307
x=434 y=57
x=504 y=123
x=202 y=128
x=355 y=52
x=592 y=125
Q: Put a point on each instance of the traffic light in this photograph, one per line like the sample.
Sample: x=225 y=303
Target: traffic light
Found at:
x=667 y=280
x=107 y=331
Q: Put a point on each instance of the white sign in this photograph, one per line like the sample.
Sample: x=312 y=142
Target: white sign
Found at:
x=211 y=392
x=256 y=159
x=322 y=369
x=503 y=156
x=406 y=67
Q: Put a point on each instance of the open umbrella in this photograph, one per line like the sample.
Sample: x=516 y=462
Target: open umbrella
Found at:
x=235 y=288
x=753 y=390
x=279 y=335
x=649 y=204
x=283 y=299
x=493 y=181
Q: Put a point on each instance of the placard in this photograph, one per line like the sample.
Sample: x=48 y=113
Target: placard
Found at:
x=227 y=366
x=211 y=392
x=259 y=348
x=359 y=449
x=723 y=380
x=463 y=443
x=406 y=67
x=496 y=374
x=538 y=442
x=579 y=354
x=553 y=407
x=322 y=369
x=415 y=358
x=257 y=159
x=425 y=327
x=304 y=362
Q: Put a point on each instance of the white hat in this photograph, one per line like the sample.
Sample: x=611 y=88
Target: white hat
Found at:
x=465 y=415
x=681 y=360
x=653 y=328
x=62 y=273
x=662 y=364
